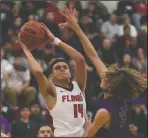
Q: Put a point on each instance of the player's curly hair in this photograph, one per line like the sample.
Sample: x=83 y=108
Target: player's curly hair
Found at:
x=125 y=83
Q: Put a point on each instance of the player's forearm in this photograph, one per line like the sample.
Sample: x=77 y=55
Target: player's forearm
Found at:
x=33 y=64
x=75 y=55
x=88 y=47
x=90 y=51
x=37 y=72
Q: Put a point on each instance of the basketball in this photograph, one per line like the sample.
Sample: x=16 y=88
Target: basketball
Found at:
x=32 y=35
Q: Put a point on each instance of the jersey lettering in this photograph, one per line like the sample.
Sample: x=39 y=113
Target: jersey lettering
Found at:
x=72 y=98
x=78 y=108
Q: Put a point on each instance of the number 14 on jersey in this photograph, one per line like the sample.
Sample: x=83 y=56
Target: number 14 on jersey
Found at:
x=78 y=109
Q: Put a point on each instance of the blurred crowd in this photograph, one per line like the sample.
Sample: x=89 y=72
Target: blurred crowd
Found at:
x=119 y=37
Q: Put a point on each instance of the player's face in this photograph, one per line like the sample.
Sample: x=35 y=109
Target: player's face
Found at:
x=104 y=83
x=25 y=113
x=61 y=71
x=45 y=131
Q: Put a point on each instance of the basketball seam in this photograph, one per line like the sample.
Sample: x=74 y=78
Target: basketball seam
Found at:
x=33 y=36
x=36 y=28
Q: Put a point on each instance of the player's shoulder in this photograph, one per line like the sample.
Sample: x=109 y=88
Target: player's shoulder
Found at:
x=102 y=112
x=75 y=83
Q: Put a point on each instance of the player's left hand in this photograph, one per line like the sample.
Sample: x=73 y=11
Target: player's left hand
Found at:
x=71 y=18
x=50 y=36
x=21 y=43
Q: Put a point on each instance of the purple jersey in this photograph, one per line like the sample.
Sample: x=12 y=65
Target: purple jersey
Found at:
x=119 y=119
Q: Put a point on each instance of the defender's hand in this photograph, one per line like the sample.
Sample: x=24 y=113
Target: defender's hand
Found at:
x=71 y=18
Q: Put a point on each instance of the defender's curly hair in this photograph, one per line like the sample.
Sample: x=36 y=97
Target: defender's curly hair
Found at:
x=125 y=83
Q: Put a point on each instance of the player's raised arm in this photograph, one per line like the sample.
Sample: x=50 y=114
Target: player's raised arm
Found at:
x=35 y=68
x=81 y=73
x=88 y=47
x=102 y=116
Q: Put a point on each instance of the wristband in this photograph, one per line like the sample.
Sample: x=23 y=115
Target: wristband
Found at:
x=56 y=41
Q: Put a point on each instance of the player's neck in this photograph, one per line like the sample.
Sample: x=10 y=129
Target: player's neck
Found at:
x=64 y=84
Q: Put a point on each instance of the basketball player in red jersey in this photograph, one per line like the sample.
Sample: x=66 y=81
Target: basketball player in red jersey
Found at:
x=63 y=96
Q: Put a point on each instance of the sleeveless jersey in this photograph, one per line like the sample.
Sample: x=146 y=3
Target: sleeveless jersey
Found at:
x=69 y=112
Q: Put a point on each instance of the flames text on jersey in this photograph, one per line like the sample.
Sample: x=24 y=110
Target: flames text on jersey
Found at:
x=72 y=98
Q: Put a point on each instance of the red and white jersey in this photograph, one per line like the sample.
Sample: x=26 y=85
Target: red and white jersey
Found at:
x=69 y=112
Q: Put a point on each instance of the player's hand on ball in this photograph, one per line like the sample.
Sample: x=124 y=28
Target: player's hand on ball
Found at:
x=50 y=36
x=71 y=18
x=20 y=42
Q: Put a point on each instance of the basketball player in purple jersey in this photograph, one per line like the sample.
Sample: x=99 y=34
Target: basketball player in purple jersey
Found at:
x=63 y=95
x=119 y=86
